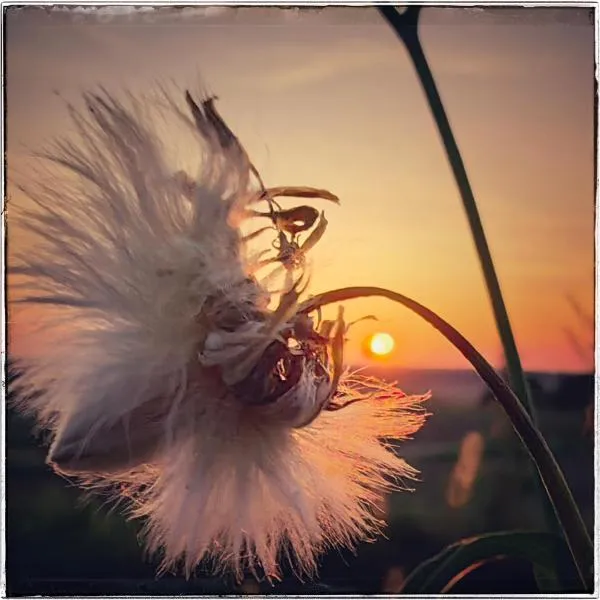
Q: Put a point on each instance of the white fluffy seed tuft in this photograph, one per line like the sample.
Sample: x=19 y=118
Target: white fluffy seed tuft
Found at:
x=131 y=277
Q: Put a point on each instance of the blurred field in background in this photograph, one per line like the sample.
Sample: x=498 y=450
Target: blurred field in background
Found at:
x=475 y=478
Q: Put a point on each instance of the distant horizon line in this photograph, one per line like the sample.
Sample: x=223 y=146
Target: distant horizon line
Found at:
x=393 y=367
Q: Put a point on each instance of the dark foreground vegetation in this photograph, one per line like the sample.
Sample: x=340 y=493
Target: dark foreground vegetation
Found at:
x=475 y=478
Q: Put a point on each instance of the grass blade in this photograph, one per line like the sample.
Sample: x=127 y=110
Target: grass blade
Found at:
x=440 y=573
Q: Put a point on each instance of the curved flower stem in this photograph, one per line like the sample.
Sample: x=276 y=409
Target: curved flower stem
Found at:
x=551 y=475
x=405 y=26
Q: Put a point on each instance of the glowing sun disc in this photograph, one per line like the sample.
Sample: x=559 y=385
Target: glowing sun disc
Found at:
x=381 y=344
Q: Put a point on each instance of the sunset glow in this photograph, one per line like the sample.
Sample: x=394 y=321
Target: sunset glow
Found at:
x=329 y=98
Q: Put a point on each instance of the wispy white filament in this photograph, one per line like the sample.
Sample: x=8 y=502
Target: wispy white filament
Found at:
x=129 y=372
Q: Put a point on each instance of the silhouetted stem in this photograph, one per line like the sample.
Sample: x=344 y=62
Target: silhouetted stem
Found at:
x=551 y=475
x=406 y=27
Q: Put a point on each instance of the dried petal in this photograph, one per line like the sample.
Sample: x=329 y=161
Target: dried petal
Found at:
x=326 y=328
x=337 y=348
x=298 y=192
x=365 y=318
x=236 y=372
x=315 y=235
x=295 y=220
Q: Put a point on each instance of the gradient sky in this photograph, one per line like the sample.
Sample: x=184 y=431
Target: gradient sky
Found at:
x=328 y=98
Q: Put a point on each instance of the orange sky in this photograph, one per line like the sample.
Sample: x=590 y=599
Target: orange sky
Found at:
x=328 y=98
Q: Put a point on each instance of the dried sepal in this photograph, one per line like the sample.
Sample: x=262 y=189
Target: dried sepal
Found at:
x=255 y=234
x=264 y=334
x=360 y=320
x=211 y=125
x=337 y=348
x=296 y=192
x=315 y=235
x=326 y=327
x=295 y=220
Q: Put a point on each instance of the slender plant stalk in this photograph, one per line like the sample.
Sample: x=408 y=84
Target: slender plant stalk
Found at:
x=564 y=505
x=406 y=27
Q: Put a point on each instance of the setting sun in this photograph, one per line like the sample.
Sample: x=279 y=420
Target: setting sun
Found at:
x=381 y=344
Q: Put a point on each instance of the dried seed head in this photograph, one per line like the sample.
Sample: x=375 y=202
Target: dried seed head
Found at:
x=158 y=365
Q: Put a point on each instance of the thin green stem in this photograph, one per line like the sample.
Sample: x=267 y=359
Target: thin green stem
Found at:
x=551 y=475
x=406 y=27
